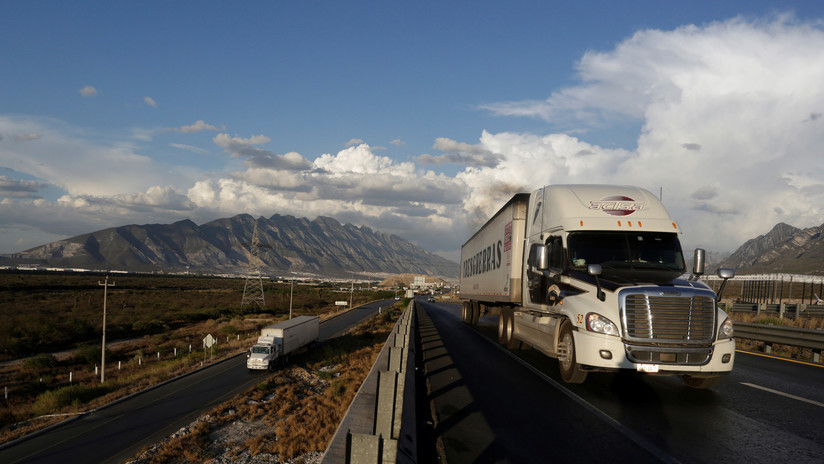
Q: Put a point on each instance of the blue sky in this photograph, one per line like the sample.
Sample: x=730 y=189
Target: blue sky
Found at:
x=413 y=118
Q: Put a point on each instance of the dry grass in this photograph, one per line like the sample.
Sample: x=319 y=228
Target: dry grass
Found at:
x=805 y=354
x=293 y=412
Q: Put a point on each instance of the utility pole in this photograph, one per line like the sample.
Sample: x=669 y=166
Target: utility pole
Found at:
x=106 y=286
x=291 y=292
x=352 y=290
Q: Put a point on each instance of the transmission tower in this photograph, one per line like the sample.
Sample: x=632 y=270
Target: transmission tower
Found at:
x=253 y=290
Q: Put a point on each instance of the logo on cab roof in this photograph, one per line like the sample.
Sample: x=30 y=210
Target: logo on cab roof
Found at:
x=617 y=205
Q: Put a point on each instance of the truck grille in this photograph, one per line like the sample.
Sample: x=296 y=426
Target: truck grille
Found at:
x=669 y=319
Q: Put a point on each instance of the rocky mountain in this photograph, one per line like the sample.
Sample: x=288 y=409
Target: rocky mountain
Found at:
x=286 y=244
x=784 y=249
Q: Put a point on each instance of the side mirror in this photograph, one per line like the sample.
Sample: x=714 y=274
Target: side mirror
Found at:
x=542 y=257
x=726 y=274
x=595 y=270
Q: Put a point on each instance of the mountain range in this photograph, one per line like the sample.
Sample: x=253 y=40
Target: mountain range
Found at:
x=327 y=248
x=286 y=244
x=783 y=250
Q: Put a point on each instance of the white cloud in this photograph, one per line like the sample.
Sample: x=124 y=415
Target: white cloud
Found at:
x=728 y=127
x=397 y=143
x=731 y=131
x=63 y=158
x=150 y=101
x=198 y=126
x=88 y=91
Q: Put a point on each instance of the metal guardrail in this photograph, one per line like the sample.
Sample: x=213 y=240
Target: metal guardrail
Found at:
x=780 y=310
x=377 y=429
x=792 y=336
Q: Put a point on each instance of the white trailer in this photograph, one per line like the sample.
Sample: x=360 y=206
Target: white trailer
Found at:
x=279 y=340
x=593 y=275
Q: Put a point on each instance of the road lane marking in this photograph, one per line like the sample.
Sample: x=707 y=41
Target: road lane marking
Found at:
x=806 y=363
x=813 y=402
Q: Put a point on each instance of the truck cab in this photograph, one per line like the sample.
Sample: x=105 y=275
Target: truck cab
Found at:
x=264 y=354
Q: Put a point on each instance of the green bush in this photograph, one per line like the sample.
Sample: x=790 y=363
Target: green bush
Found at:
x=40 y=362
x=53 y=400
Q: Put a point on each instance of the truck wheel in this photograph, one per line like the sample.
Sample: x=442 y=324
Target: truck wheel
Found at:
x=475 y=314
x=701 y=382
x=465 y=312
x=503 y=323
x=571 y=371
x=514 y=343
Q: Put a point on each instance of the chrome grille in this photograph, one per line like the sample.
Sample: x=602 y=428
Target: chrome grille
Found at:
x=669 y=319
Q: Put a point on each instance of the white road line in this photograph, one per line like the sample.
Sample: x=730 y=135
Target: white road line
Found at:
x=813 y=402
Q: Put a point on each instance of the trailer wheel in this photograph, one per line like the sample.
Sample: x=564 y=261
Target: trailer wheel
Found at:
x=571 y=371
x=465 y=312
x=701 y=382
x=475 y=314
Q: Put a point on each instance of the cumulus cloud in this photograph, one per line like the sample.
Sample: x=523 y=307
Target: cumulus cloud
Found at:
x=198 y=126
x=17 y=188
x=88 y=91
x=150 y=101
x=397 y=142
x=729 y=115
x=736 y=90
x=460 y=153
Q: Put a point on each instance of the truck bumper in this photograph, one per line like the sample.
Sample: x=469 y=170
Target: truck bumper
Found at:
x=257 y=367
x=604 y=352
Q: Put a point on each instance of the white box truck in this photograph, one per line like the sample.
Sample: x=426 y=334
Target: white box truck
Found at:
x=594 y=276
x=279 y=340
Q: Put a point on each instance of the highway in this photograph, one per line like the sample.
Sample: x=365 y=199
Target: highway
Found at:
x=496 y=405
x=115 y=433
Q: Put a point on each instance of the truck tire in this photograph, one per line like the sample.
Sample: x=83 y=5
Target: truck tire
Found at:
x=475 y=314
x=701 y=382
x=503 y=323
x=571 y=371
x=465 y=312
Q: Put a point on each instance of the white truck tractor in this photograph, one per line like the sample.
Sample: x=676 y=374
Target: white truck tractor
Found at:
x=594 y=276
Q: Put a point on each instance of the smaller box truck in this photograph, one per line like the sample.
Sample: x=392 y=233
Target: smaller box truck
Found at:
x=279 y=340
x=594 y=276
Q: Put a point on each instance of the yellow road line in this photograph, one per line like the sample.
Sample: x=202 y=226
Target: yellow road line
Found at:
x=779 y=358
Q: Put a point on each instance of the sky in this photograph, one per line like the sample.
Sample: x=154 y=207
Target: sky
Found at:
x=419 y=119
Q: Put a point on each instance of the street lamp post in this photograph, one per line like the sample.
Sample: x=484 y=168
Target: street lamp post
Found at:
x=106 y=286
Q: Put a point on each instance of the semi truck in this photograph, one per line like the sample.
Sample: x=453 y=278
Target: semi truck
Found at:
x=594 y=275
x=276 y=342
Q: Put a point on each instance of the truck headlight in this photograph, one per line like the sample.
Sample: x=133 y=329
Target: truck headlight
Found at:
x=599 y=324
x=726 y=331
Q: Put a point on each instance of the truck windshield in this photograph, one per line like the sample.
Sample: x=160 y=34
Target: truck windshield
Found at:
x=260 y=349
x=654 y=251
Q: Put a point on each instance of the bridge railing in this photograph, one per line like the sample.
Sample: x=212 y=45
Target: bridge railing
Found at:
x=380 y=425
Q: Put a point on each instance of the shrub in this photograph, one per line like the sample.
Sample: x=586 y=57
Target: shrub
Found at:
x=53 y=400
x=40 y=362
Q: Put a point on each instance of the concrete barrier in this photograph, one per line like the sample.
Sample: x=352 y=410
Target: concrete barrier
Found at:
x=380 y=425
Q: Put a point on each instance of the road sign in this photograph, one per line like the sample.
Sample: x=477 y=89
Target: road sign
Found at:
x=208 y=341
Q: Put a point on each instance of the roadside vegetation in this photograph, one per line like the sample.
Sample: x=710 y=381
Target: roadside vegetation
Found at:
x=291 y=415
x=51 y=329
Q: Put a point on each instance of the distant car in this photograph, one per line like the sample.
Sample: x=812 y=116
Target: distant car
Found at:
x=431 y=299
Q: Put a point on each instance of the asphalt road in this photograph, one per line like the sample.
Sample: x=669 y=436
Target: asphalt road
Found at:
x=115 y=433
x=493 y=408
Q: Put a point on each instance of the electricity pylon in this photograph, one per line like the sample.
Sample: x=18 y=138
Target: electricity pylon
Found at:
x=253 y=290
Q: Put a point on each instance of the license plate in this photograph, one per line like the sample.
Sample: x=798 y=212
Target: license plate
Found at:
x=648 y=368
